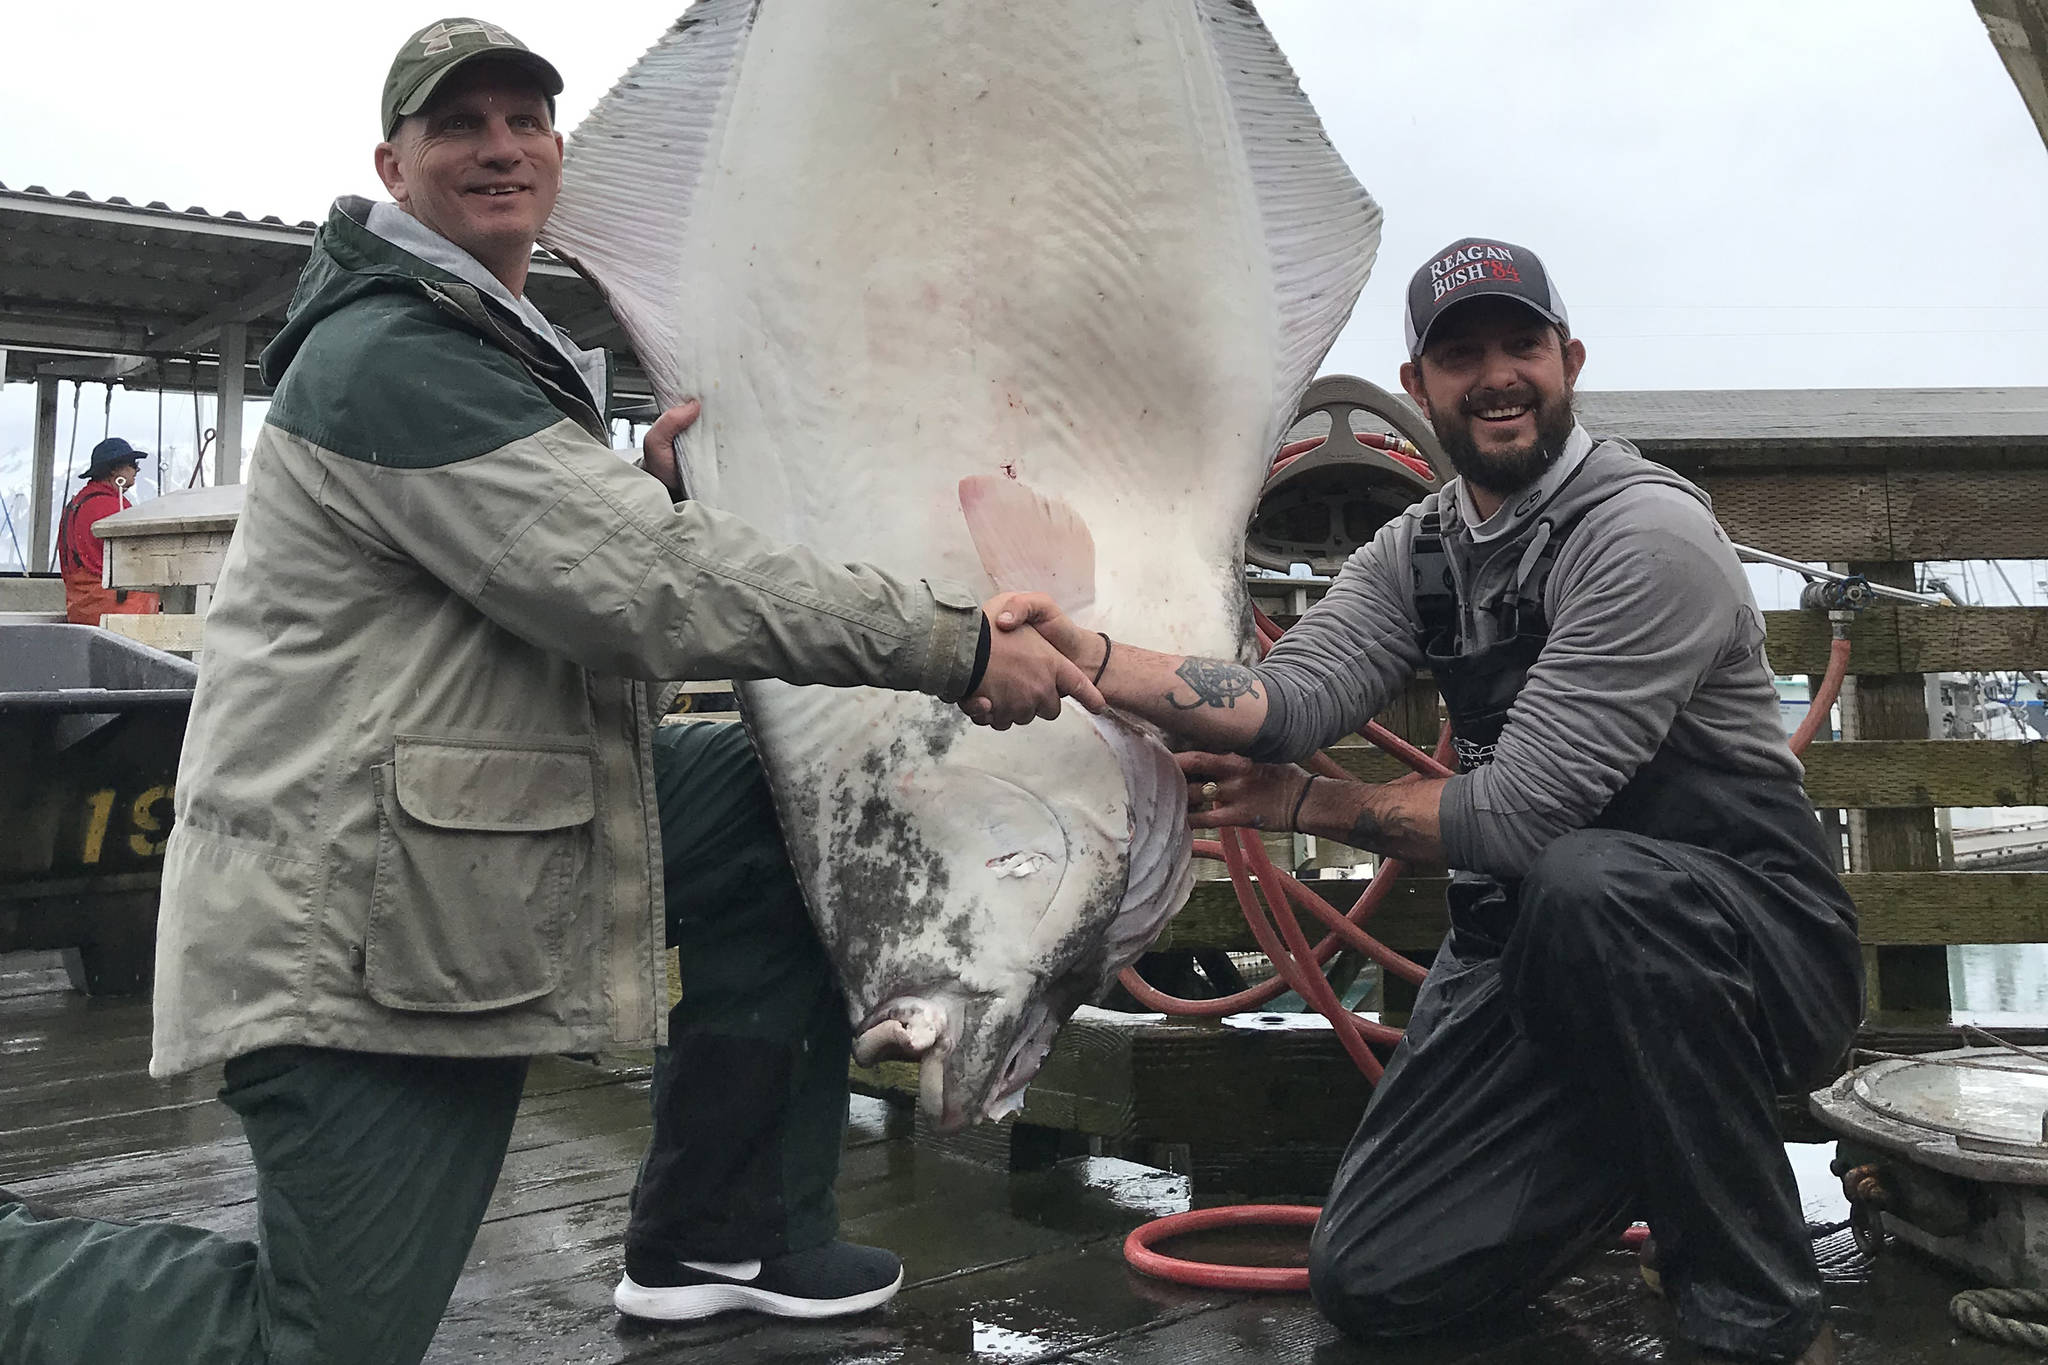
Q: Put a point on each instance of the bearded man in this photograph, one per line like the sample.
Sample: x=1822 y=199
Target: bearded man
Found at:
x=1648 y=940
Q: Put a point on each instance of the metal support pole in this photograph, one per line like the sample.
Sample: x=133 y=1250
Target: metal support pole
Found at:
x=42 y=472
x=227 y=416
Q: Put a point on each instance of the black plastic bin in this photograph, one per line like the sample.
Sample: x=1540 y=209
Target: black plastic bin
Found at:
x=90 y=728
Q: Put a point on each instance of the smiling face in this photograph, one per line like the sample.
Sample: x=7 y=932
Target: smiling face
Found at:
x=481 y=164
x=1496 y=383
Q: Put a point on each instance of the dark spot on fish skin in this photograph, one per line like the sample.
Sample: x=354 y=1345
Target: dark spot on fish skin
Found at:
x=873 y=813
x=877 y=857
x=941 y=732
x=958 y=935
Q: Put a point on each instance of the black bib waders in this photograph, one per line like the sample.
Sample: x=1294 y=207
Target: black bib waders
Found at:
x=1602 y=1040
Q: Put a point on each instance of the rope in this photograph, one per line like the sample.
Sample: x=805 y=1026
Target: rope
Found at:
x=198 y=479
x=12 y=535
x=1993 y=1315
x=70 y=460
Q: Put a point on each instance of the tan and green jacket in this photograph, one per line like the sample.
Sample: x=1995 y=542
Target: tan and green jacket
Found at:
x=415 y=810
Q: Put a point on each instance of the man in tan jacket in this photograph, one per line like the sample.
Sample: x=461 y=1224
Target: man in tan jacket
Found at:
x=417 y=834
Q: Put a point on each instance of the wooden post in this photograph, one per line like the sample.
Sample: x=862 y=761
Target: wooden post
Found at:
x=42 y=472
x=227 y=417
x=1908 y=979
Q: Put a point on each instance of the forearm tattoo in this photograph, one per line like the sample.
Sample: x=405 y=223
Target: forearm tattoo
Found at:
x=1214 y=683
x=1387 y=833
x=1366 y=831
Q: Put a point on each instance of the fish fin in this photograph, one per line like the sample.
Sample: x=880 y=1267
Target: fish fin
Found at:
x=1322 y=228
x=1159 y=871
x=1029 y=542
x=652 y=135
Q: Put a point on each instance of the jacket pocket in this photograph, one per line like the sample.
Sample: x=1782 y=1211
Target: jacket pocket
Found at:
x=481 y=850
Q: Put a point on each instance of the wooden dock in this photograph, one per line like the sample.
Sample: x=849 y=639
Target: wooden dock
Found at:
x=1002 y=1267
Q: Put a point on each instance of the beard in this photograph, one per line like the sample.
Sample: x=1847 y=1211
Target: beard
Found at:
x=1506 y=472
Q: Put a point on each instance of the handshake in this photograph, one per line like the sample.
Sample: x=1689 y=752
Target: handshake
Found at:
x=1036 y=658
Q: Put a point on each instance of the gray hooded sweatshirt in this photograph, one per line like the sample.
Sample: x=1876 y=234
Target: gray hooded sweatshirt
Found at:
x=1655 y=638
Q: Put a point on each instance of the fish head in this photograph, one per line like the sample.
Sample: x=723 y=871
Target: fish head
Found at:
x=975 y=887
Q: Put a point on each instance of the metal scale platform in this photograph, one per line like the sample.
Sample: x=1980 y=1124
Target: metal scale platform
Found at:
x=1959 y=1145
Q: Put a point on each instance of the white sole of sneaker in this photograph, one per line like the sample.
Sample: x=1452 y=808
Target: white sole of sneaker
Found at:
x=690 y=1302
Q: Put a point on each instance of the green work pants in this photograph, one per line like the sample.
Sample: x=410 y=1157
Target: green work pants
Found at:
x=372 y=1175
x=750 y=1093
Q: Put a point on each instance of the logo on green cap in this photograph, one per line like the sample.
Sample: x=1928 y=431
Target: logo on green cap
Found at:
x=441 y=37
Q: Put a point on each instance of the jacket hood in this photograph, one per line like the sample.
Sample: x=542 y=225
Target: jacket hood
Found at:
x=348 y=262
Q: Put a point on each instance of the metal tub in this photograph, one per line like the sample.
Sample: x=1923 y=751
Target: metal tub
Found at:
x=90 y=729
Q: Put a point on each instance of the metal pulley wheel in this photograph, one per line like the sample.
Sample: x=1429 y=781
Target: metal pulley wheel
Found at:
x=1327 y=497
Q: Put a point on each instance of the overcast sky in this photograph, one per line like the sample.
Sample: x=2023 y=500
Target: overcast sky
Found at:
x=1751 y=193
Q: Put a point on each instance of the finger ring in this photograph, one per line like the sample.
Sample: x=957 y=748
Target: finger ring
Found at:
x=1209 y=792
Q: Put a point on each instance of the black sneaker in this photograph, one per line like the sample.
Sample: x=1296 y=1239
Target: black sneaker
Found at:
x=825 y=1282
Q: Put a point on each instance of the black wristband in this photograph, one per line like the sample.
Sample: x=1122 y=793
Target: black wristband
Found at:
x=1106 y=647
x=981 y=651
x=1294 y=820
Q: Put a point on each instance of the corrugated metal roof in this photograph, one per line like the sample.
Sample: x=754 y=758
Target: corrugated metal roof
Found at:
x=109 y=289
x=155 y=206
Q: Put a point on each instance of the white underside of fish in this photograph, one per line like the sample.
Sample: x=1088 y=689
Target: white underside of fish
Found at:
x=1096 y=248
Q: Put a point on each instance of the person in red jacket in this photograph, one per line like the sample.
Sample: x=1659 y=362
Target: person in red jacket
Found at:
x=80 y=555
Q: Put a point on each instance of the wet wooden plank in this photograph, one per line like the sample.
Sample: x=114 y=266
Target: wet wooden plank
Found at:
x=1033 y=1305
x=32 y=973
x=1011 y=1268
x=967 y=1235
x=1596 y=1315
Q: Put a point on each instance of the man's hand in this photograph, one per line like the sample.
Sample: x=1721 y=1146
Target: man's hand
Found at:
x=1010 y=610
x=658 y=446
x=1230 y=789
x=1216 y=703
x=1025 y=678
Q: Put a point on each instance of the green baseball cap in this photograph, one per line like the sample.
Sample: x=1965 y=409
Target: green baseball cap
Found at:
x=438 y=49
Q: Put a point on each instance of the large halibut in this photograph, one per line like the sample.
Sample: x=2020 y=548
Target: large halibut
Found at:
x=1063 y=266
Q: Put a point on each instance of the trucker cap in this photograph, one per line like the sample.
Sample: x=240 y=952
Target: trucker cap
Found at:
x=1474 y=268
x=429 y=55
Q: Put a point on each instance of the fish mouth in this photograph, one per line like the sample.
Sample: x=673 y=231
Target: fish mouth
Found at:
x=928 y=1028
x=924 y=1028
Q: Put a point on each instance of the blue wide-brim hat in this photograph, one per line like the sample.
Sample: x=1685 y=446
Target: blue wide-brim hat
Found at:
x=109 y=453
